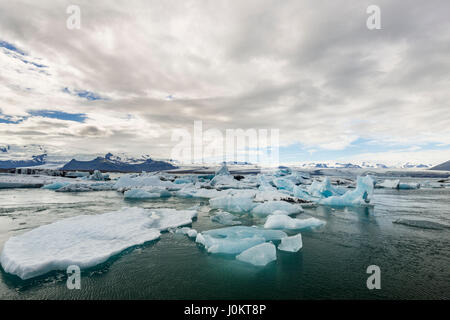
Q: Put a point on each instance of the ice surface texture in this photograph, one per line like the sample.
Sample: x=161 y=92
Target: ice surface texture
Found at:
x=86 y=240
x=259 y=255
x=234 y=240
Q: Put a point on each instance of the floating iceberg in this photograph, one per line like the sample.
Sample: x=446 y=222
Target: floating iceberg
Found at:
x=86 y=240
x=278 y=221
x=140 y=194
x=225 y=218
x=267 y=208
x=324 y=189
x=143 y=180
x=223 y=170
x=259 y=255
x=408 y=186
x=291 y=244
x=55 y=185
x=234 y=240
x=98 y=176
x=233 y=203
x=191 y=233
x=361 y=196
x=390 y=184
x=86 y=187
x=284 y=184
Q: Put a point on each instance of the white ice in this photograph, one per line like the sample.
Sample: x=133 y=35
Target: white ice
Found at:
x=234 y=240
x=267 y=208
x=279 y=221
x=86 y=240
x=259 y=255
x=291 y=244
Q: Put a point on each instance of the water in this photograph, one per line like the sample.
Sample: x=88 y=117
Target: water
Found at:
x=414 y=262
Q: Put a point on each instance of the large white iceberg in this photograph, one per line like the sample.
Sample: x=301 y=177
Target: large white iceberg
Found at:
x=291 y=244
x=86 y=240
x=259 y=255
x=361 y=196
x=278 y=221
x=234 y=240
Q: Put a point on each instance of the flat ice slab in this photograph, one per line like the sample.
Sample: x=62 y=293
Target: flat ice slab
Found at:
x=86 y=240
x=259 y=255
x=234 y=240
x=279 y=221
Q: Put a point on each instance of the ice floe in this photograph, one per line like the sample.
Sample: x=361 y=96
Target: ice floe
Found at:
x=267 y=208
x=234 y=240
x=259 y=255
x=291 y=244
x=225 y=218
x=86 y=240
x=279 y=221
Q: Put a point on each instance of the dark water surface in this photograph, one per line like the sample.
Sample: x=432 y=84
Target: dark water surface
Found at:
x=414 y=262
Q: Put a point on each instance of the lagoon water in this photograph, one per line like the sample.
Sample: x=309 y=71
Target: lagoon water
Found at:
x=414 y=262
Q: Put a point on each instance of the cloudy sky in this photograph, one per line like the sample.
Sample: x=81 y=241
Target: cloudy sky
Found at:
x=137 y=70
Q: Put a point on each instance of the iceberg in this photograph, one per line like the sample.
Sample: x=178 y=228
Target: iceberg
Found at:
x=361 y=196
x=291 y=244
x=284 y=184
x=143 y=180
x=234 y=240
x=233 y=203
x=225 y=218
x=140 y=194
x=324 y=189
x=279 y=221
x=390 y=184
x=55 y=185
x=98 y=176
x=408 y=186
x=86 y=240
x=259 y=255
x=191 y=233
x=223 y=170
x=269 y=207
x=86 y=187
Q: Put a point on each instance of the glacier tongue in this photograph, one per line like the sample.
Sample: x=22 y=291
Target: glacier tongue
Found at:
x=86 y=240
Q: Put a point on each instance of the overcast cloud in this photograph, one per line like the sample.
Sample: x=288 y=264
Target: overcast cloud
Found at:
x=309 y=68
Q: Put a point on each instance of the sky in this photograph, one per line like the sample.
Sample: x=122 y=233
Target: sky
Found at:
x=135 y=71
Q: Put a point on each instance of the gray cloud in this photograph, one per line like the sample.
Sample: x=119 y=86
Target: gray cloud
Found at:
x=311 y=69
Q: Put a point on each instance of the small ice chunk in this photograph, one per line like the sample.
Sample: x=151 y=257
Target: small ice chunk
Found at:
x=234 y=240
x=225 y=218
x=285 y=222
x=192 y=233
x=259 y=255
x=223 y=170
x=267 y=208
x=291 y=244
x=389 y=184
x=408 y=186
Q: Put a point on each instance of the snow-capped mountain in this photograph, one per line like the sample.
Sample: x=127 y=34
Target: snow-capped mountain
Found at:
x=12 y=156
x=362 y=164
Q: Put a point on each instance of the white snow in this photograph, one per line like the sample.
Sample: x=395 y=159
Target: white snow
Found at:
x=86 y=240
x=259 y=255
x=291 y=244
